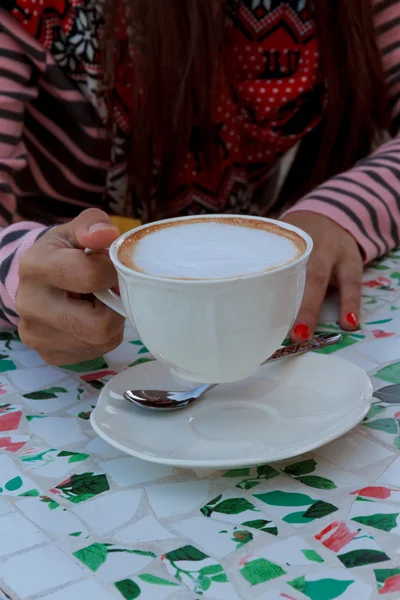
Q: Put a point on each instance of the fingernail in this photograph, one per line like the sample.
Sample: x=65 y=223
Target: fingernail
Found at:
x=302 y=331
x=97 y=226
x=352 y=320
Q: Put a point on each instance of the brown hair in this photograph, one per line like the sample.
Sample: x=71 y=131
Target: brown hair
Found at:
x=179 y=52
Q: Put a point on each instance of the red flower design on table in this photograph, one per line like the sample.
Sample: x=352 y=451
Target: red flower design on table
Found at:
x=378 y=333
x=374 y=492
x=98 y=375
x=392 y=584
x=9 y=445
x=336 y=536
x=381 y=281
x=9 y=421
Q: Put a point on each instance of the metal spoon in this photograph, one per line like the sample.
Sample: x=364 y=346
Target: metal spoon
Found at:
x=163 y=400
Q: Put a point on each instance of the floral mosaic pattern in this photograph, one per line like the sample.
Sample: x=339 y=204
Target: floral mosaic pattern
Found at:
x=146 y=587
x=295 y=508
x=259 y=570
x=353 y=547
x=198 y=571
x=329 y=585
x=321 y=526
x=238 y=510
x=82 y=487
x=388 y=580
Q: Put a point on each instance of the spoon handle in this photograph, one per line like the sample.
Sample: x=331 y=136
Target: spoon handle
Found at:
x=316 y=343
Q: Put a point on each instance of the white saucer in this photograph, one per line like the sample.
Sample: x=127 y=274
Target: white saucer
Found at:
x=287 y=408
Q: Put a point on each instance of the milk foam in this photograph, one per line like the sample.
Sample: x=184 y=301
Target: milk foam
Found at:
x=209 y=250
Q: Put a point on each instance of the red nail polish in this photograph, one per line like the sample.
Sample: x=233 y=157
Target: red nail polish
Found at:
x=302 y=331
x=351 y=318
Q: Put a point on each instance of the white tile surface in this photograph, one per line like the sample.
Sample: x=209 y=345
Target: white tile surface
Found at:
x=383 y=350
x=48 y=568
x=145 y=530
x=57 y=431
x=119 y=508
x=85 y=590
x=16 y=533
x=392 y=474
x=57 y=521
x=173 y=498
x=39 y=378
x=353 y=452
x=120 y=565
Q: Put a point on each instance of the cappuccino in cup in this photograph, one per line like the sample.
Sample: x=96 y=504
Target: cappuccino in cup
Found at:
x=210 y=248
x=211 y=297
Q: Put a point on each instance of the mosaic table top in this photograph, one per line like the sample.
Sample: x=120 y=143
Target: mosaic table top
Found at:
x=79 y=520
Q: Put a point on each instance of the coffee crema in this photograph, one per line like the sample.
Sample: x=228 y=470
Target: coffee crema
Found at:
x=210 y=248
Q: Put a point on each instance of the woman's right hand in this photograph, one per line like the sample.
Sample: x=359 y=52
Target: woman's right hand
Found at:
x=56 y=321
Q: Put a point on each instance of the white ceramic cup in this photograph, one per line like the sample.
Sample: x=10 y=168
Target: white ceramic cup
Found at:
x=216 y=330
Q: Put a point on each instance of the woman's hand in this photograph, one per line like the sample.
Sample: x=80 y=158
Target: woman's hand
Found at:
x=56 y=321
x=335 y=260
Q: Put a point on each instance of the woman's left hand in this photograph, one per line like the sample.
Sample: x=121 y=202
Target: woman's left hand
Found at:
x=335 y=260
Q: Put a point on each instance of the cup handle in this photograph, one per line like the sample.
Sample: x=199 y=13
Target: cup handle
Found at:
x=112 y=300
x=109 y=297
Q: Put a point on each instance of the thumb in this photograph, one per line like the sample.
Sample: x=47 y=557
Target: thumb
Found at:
x=92 y=229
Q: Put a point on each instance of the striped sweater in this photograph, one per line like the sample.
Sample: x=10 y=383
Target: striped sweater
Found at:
x=56 y=158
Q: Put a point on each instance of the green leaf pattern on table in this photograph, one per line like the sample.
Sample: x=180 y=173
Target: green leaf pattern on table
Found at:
x=376 y=409
x=46 y=394
x=388 y=580
x=300 y=471
x=379 y=515
x=88 y=366
x=230 y=506
x=281 y=504
x=128 y=588
x=260 y=570
x=313 y=556
x=390 y=374
x=262 y=525
x=146 y=587
x=383 y=421
x=244 y=472
x=386 y=425
x=6 y=364
x=73 y=457
x=43 y=458
x=95 y=555
x=360 y=558
x=322 y=589
x=51 y=504
x=141 y=347
x=82 y=487
x=195 y=569
x=13 y=484
x=253 y=477
x=353 y=546
x=385 y=522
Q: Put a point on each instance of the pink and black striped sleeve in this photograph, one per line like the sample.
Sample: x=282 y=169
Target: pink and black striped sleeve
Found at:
x=366 y=199
x=16 y=90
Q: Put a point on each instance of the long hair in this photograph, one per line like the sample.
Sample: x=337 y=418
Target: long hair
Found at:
x=179 y=58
